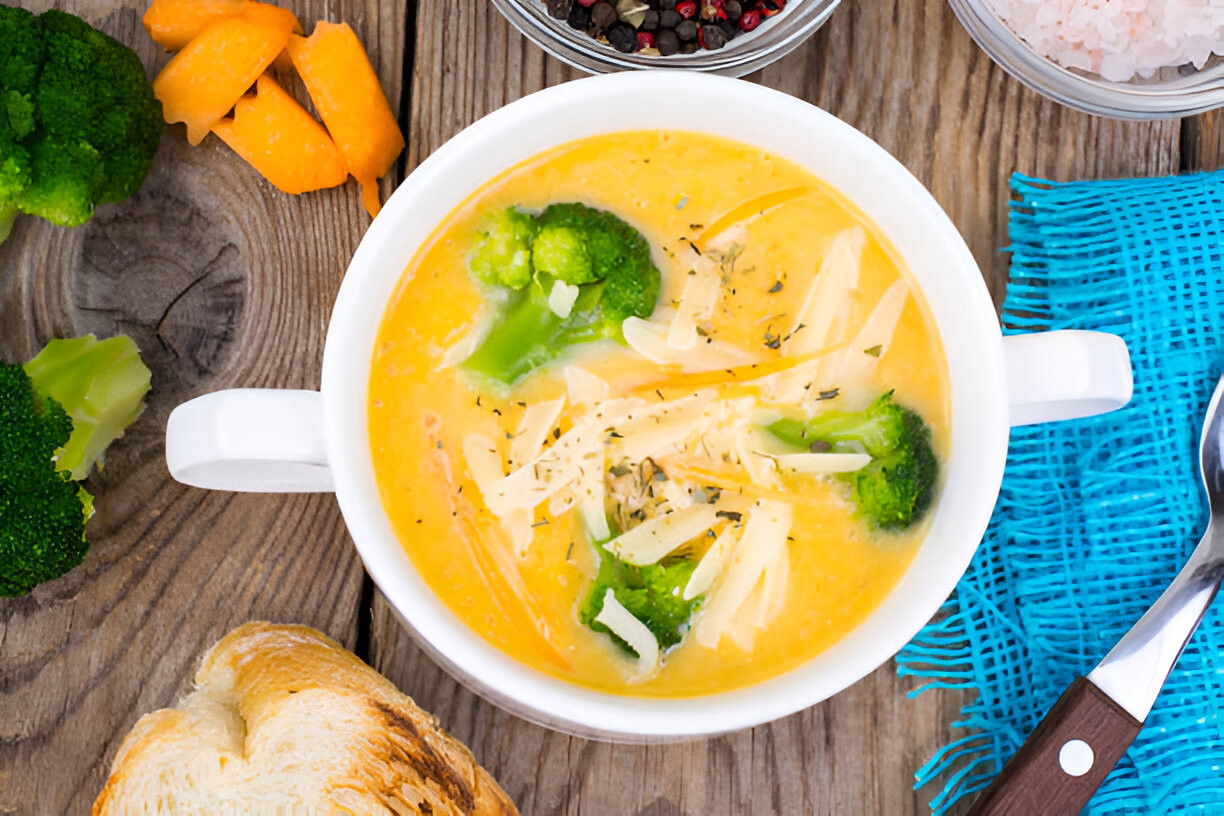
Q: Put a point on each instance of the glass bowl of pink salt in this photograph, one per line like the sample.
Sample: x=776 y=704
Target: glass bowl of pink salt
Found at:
x=1129 y=59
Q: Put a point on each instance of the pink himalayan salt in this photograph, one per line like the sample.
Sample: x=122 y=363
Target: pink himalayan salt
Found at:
x=1118 y=39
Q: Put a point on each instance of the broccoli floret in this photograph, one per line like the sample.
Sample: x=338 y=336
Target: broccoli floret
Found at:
x=562 y=253
x=605 y=257
x=78 y=120
x=653 y=594
x=503 y=256
x=895 y=489
x=617 y=254
x=57 y=415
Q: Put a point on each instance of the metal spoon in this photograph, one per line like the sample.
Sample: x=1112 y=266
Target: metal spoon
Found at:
x=1083 y=736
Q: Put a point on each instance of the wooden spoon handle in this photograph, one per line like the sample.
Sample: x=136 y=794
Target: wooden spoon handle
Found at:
x=1065 y=759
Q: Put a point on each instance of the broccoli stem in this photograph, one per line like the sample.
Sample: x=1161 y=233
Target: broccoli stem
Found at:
x=528 y=336
x=101 y=384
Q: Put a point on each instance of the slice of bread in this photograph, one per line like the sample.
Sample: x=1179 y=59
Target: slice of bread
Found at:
x=284 y=720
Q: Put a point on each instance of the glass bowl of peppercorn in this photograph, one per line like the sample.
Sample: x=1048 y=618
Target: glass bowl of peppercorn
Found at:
x=730 y=37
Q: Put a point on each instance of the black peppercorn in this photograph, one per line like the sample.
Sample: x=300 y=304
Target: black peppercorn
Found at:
x=667 y=42
x=662 y=27
x=669 y=18
x=579 y=17
x=622 y=37
x=603 y=15
x=712 y=37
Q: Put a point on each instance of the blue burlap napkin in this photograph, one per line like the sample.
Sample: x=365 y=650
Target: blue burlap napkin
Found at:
x=1096 y=515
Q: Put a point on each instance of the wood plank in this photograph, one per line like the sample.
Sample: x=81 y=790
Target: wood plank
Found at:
x=907 y=75
x=223 y=282
x=1202 y=144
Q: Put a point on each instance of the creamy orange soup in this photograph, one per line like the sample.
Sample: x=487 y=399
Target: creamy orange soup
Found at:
x=768 y=232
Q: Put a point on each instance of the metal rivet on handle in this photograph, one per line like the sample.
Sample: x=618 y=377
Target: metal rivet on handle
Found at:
x=1075 y=757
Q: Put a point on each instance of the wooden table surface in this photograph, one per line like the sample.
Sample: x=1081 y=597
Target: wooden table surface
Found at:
x=225 y=282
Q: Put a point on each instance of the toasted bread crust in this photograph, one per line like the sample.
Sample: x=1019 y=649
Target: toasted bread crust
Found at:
x=285 y=720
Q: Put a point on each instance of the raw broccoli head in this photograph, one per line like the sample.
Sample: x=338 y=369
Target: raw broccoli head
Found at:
x=896 y=488
x=579 y=245
x=78 y=120
x=58 y=413
x=42 y=510
x=653 y=594
x=503 y=256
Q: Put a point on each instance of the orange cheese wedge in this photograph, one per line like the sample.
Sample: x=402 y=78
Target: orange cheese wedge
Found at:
x=346 y=93
x=282 y=141
x=204 y=81
x=173 y=23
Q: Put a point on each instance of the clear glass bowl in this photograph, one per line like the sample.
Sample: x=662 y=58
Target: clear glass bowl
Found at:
x=1173 y=92
x=774 y=39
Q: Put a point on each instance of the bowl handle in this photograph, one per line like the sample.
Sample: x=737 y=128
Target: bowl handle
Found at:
x=254 y=440
x=1065 y=374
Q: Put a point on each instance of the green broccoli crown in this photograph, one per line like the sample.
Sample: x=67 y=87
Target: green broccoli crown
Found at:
x=612 y=252
x=895 y=489
x=42 y=510
x=562 y=253
x=78 y=120
x=58 y=413
x=653 y=594
x=503 y=256
x=582 y=246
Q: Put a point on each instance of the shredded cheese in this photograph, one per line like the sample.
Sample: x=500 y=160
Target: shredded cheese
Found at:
x=485 y=464
x=561 y=502
x=583 y=387
x=758 y=452
x=743 y=627
x=818 y=463
x=519 y=525
x=539 y=419
x=562 y=298
x=650 y=340
x=631 y=630
x=763 y=542
x=773 y=590
x=855 y=366
x=668 y=425
x=824 y=311
x=561 y=463
x=654 y=538
x=590 y=490
x=712 y=562
x=702 y=286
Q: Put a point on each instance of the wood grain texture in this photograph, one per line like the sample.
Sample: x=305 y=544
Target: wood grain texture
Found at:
x=223 y=282
x=1203 y=142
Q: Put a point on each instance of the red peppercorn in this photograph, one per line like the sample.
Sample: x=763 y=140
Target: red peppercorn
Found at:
x=587 y=3
x=686 y=9
x=645 y=40
x=771 y=7
x=712 y=11
x=749 y=20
